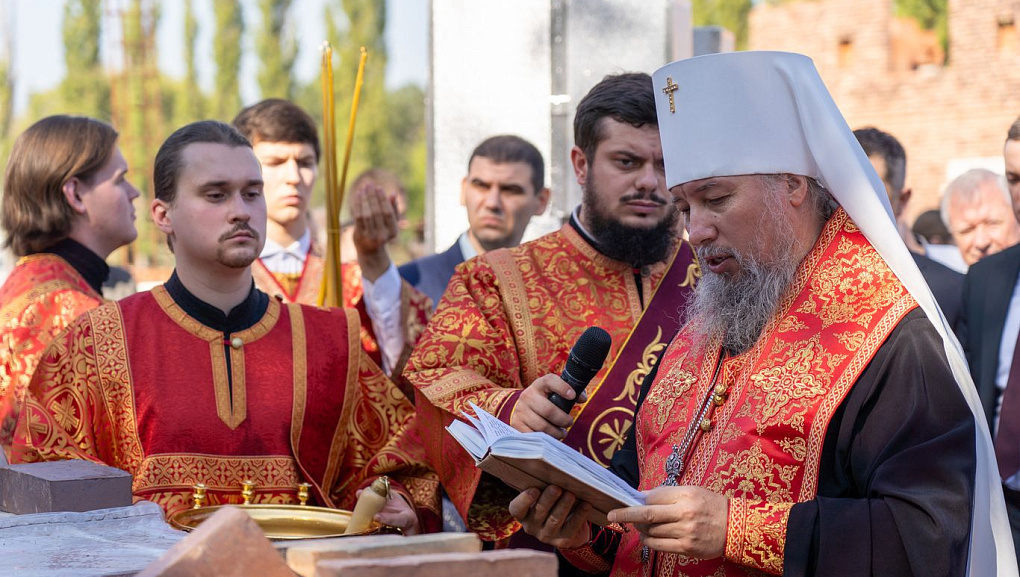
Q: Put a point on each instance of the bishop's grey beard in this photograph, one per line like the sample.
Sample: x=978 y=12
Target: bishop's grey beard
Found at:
x=739 y=307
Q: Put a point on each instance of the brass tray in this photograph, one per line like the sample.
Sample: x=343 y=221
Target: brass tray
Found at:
x=283 y=522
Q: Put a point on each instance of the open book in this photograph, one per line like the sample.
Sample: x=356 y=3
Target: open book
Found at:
x=525 y=460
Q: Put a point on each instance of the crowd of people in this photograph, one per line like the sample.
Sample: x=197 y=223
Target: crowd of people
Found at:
x=788 y=379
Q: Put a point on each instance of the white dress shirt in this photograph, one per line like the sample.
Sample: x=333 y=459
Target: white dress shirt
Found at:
x=382 y=298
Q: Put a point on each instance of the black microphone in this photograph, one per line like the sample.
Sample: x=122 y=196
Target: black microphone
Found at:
x=585 y=360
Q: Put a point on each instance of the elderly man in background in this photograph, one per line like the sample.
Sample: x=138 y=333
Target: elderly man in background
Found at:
x=977 y=210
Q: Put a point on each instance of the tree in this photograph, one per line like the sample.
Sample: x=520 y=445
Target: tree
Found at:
x=930 y=14
x=227 y=55
x=731 y=14
x=390 y=132
x=192 y=104
x=85 y=88
x=277 y=48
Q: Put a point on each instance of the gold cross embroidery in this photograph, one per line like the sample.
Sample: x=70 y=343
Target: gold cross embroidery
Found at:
x=668 y=91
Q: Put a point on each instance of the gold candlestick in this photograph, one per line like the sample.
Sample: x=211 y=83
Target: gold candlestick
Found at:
x=199 y=495
x=247 y=491
x=302 y=493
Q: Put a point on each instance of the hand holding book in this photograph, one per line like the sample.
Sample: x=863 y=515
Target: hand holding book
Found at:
x=536 y=460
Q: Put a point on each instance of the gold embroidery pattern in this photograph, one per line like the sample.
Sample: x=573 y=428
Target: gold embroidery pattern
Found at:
x=299 y=353
x=752 y=473
x=636 y=378
x=41 y=296
x=231 y=398
x=693 y=274
x=670 y=389
x=515 y=299
x=167 y=479
x=758 y=537
x=115 y=382
x=787 y=390
x=587 y=559
x=608 y=432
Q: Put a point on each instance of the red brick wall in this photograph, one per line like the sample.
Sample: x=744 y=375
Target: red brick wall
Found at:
x=939 y=113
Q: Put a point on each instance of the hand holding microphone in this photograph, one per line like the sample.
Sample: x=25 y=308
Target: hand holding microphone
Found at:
x=543 y=405
x=585 y=361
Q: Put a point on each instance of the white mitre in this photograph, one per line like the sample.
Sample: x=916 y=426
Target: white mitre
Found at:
x=769 y=113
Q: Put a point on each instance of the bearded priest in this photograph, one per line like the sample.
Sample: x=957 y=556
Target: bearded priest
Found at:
x=508 y=319
x=815 y=415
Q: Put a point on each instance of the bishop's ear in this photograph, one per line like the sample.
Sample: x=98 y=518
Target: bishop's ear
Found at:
x=796 y=187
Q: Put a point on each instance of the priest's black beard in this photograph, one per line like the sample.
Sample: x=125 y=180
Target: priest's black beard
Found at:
x=635 y=246
x=738 y=308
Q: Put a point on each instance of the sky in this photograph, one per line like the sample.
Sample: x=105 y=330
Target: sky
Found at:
x=38 y=46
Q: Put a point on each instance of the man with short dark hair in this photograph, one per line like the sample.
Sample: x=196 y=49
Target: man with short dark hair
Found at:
x=890 y=161
x=67 y=204
x=509 y=318
x=279 y=394
x=503 y=189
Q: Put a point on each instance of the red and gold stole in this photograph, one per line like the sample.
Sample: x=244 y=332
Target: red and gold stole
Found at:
x=764 y=443
x=40 y=297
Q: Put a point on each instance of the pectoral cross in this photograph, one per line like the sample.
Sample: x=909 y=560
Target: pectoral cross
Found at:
x=674 y=463
x=668 y=91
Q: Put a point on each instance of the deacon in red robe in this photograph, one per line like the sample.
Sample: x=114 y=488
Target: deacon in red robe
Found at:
x=814 y=416
x=66 y=206
x=209 y=380
x=509 y=318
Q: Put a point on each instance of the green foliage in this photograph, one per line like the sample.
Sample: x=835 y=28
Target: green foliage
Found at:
x=192 y=101
x=85 y=88
x=227 y=55
x=930 y=14
x=277 y=47
x=731 y=14
x=390 y=130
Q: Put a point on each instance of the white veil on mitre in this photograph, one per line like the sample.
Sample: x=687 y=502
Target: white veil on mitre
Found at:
x=768 y=113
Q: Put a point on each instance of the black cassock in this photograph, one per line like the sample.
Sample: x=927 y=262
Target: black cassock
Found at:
x=896 y=479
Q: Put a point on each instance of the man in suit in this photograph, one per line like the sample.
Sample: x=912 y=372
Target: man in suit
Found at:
x=989 y=333
x=503 y=189
x=890 y=161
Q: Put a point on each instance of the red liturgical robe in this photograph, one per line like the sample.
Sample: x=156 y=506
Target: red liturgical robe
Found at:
x=144 y=387
x=42 y=295
x=760 y=444
x=511 y=316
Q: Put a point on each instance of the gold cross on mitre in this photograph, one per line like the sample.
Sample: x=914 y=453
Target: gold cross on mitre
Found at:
x=668 y=91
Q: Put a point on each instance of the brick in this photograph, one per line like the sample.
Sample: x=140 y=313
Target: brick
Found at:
x=508 y=562
x=62 y=486
x=939 y=113
x=303 y=557
x=227 y=544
